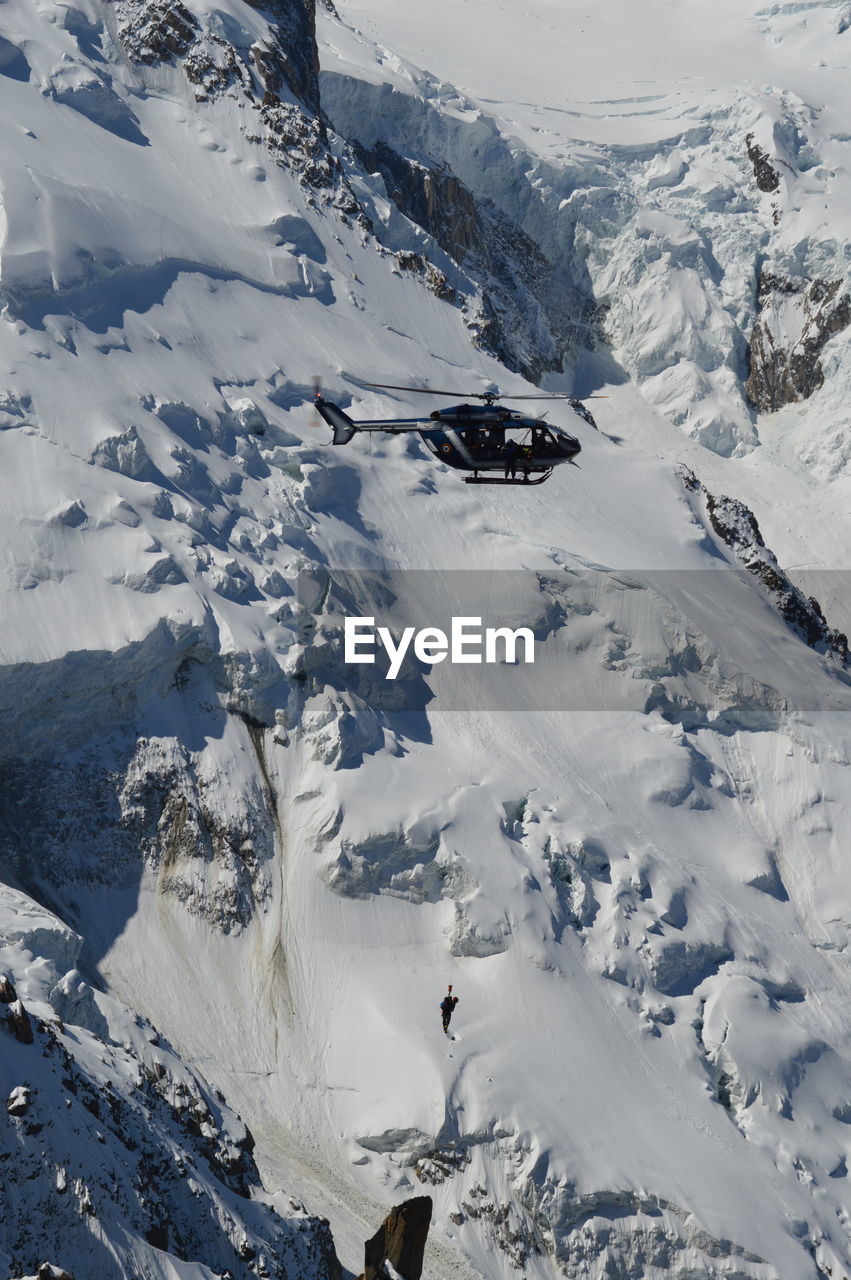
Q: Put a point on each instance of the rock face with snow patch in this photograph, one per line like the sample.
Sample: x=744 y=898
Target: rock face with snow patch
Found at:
x=530 y=318
x=296 y=21
x=796 y=319
x=19 y=1022
x=156 y=30
x=274 y=81
x=140 y=805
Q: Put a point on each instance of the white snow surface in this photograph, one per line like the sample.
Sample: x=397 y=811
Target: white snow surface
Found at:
x=640 y=895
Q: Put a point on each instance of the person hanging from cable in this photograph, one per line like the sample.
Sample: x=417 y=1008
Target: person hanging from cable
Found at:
x=447 y=1008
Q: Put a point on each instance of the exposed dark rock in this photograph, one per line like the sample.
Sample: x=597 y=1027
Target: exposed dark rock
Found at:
x=806 y=313
x=19 y=1022
x=431 y=196
x=528 y=318
x=296 y=48
x=400 y=1240
x=47 y=1271
x=148 y=809
x=583 y=411
x=7 y=989
x=722 y=1091
x=323 y=1252
x=431 y=276
x=441 y=1163
x=736 y=525
x=510 y=1232
x=767 y=177
x=213 y=66
x=157 y=31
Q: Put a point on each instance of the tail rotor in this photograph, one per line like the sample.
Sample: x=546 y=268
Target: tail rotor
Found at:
x=315 y=420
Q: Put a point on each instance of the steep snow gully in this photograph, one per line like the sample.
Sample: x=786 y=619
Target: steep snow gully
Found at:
x=238 y=871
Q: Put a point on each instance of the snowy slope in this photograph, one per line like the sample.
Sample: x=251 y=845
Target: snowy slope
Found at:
x=117 y=1158
x=633 y=143
x=637 y=886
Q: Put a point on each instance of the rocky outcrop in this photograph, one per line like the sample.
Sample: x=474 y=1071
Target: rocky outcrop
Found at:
x=795 y=320
x=736 y=525
x=510 y=1231
x=128 y=804
x=526 y=317
x=276 y=79
x=7 y=989
x=152 y=811
x=19 y=1022
x=767 y=177
x=431 y=196
x=431 y=276
x=154 y=31
x=400 y=1240
x=157 y=31
x=299 y=56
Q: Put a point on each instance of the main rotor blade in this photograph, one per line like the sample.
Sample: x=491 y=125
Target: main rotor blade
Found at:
x=423 y=391
x=476 y=395
x=557 y=397
x=492 y=396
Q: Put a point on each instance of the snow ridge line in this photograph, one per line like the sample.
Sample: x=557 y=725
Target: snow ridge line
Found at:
x=736 y=526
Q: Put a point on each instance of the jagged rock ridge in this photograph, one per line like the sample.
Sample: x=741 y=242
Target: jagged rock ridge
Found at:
x=737 y=526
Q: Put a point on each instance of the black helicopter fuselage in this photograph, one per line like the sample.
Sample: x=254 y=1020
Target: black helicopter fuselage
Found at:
x=479 y=438
x=495 y=444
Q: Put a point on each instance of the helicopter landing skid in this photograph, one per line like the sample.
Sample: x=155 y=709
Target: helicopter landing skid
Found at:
x=521 y=480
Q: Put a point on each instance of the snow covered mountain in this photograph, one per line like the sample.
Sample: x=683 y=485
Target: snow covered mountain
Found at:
x=628 y=860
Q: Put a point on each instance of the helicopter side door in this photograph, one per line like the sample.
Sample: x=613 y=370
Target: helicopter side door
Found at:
x=447 y=446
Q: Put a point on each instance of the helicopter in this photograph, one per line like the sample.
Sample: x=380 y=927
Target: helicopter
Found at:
x=483 y=439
